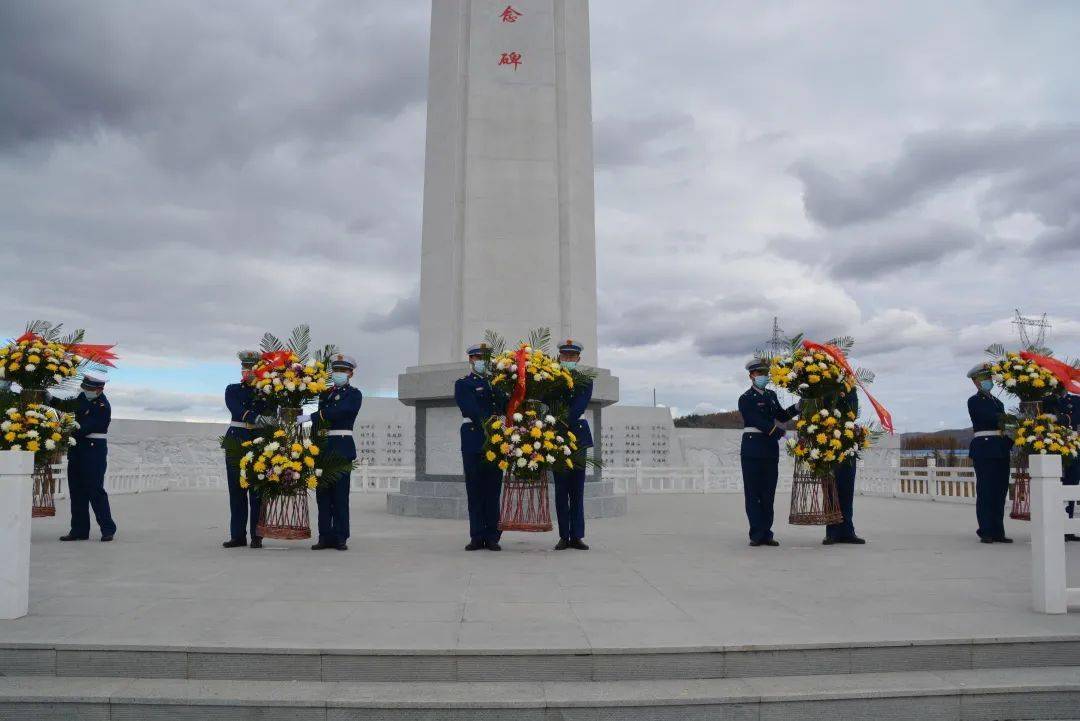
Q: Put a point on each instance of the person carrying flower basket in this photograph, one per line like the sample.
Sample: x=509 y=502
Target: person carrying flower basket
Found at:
x=570 y=482
x=245 y=407
x=989 y=452
x=478 y=401
x=87 y=461
x=759 y=452
x=336 y=416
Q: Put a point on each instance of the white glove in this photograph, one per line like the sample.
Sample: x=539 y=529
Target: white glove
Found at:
x=306 y=418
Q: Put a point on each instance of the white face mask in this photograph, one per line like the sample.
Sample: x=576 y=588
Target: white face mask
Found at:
x=339 y=378
x=91 y=395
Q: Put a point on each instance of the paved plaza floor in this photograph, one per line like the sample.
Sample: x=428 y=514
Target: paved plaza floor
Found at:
x=675 y=572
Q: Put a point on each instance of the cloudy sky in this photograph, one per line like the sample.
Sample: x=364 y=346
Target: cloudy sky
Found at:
x=179 y=177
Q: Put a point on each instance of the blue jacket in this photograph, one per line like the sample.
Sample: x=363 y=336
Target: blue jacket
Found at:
x=244 y=407
x=579 y=403
x=986 y=411
x=338 y=408
x=477 y=401
x=762 y=410
x=93 y=417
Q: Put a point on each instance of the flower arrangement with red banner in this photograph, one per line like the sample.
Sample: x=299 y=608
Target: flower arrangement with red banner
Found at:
x=532 y=438
x=43 y=359
x=828 y=432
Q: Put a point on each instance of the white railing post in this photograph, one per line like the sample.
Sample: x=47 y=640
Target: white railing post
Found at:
x=931 y=478
x=637 y=477
x=364 y=469
x=1047 y=535
x=704 y=477
x=16 y=497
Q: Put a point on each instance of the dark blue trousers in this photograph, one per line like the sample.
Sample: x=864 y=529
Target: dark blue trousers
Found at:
x=86 y=487
x=570 y=503
x=759 y=491
x=991 y=491
x=483 y=486
x=243 y=505
x=845 y=488
x=1071 y=478
x=333 y=500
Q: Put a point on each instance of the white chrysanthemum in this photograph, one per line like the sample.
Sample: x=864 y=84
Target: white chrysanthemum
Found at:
x=849 y=424
x=549 y=458
x=825 y=412
x=5 y=426
x=521 y=463
x=811 y=429
x=518 y=417
x=539 y=424
x=836 y=434
x=267 y=389
x=32 y=434
x=259 y=440
x=515 y=438
x=518 y=453
x=1011 y=382
x=536 y=445
x=537 y=377
x=549 y=419
x=533 y=465
x=513 y=367
x=815 y=453
x=318 y=472
x=804 y=386
x=791 y=442
x=50 y=444
x=273 y=446
x=72 y=441
x=16 y=447
x=566 y=450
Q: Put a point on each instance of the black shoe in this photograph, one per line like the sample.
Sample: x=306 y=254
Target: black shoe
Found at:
x=474 y=546
x=984 y=539
x=854 y=540
x=342 y=547
x=562 y=545
x=771 y=542
x=234 y=543
x=828 y=541
x=1072 y=537
x=578 y=544
x=493 y=546
x=71 y=537
x=107 y=538
x=1002 y=539
x=256 y=542
x=321 y=546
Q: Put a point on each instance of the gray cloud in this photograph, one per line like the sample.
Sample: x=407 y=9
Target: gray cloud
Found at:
x=404 y=315
x=927 y=163
x=622 y=141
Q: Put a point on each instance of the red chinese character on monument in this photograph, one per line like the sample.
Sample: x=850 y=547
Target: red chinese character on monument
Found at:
x=510 y=59
x=510 y=15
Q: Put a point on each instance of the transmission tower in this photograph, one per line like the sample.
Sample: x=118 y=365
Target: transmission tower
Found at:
x=777 y=344
x=1027 y=326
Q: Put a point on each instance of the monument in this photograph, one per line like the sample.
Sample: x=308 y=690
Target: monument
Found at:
x=508 y=232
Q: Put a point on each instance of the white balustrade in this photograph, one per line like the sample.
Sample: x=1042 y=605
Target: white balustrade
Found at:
x=1049 y=524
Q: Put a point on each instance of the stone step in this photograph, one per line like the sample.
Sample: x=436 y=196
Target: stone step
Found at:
x=1007 y=693
x=531 y=665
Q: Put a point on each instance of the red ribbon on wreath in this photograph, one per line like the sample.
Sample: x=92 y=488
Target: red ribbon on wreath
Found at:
x=519 y=386
x=94 y=352
x=838 y=355
x=1069 y=376
x=274 y=360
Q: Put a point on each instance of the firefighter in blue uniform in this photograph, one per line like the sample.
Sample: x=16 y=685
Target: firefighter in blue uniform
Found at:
x=87 y=460
x=477 y=402
x=338 y=408
x=759 y=453
x=1072 y=471
x=244 y=409
x=989 y=453
x=570 y=484
x=844 y=532
x=1067 y=409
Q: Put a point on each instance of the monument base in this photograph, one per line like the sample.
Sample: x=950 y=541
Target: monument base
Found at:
x=442 y=499
x=438 y=491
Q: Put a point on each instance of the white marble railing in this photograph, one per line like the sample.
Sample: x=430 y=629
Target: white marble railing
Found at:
x=952 y=484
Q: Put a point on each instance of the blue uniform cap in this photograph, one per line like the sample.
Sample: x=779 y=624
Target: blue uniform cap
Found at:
x=757 y=364
x=342 y=362
x=478 y=349
x=981 y=370
x=248 y=358
x=93 y=381
x=570 y=347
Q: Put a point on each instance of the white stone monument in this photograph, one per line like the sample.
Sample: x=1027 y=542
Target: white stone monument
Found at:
x=508 y=233
x=16 y=498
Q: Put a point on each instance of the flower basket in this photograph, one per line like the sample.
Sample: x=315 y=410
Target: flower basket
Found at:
x=285 y=517
x=1021 y=505
x=814 y=499
x=525 y=505
x=44 y=504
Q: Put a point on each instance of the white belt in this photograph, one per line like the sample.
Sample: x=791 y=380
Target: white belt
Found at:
x=97 y=435
x=751 y=430
x=986 y=434
x=339 y=433
x=238 y=424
